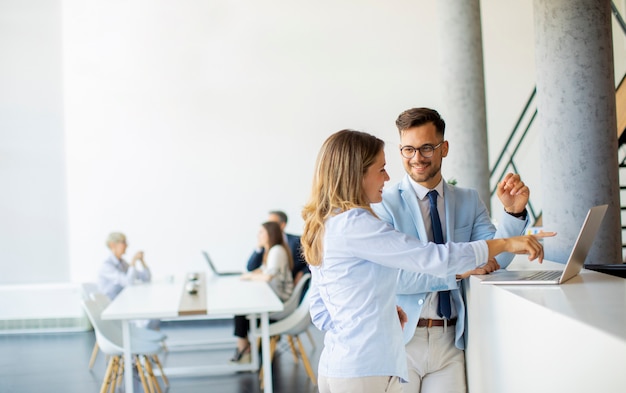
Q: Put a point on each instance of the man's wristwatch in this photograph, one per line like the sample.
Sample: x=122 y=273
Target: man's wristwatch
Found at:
x=521 y=214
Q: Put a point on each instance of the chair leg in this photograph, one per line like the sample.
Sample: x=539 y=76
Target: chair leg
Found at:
x=120 y=373
x=258 y=345
x=142 y=375
x=151 y=377
x=305 y=360
x=94 y=354
x=107 y=375
x=156 y=360
x=114 y=376
x=273 y=342
x=293 y=348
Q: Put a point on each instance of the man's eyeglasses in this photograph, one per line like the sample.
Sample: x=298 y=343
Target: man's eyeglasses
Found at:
x=426 y=150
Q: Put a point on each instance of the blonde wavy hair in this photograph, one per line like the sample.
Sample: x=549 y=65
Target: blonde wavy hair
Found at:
x=337 y=185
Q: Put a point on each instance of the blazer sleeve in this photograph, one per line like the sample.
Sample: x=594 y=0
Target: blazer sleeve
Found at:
x=255 y=261
x=299 y=263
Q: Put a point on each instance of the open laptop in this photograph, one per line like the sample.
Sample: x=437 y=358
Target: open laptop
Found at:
x=214 y=270
x=574 y=265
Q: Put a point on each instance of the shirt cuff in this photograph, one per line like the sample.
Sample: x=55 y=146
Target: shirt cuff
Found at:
x=481 y=251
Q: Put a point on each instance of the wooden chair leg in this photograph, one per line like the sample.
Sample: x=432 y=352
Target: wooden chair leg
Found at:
x=305 y=360
x=293 y=349
x=151 y=377
x=120 y=373
x=114 y=376
x=94 y=354
x=142 y=376
x=273 y=342
x=258 y=345
x=156 y=360
x=107 y=375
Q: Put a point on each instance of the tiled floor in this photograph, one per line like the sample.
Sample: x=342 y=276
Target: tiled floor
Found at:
x=57 y=362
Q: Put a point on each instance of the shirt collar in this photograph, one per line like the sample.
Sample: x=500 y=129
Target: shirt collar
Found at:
x=114 y=259
x=422 y=191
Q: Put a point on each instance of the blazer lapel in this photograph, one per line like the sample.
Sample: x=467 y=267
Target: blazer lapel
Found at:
x=415 y=214
x=449 y=200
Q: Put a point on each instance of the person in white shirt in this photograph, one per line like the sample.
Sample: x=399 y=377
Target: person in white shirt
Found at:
x=275 y=270
x=354 y=259
x=115 y=273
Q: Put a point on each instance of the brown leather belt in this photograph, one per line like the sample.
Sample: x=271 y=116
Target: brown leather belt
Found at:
x=435 y=322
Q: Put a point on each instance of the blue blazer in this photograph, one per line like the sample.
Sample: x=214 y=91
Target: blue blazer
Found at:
x=299 y=264
x=467 y=220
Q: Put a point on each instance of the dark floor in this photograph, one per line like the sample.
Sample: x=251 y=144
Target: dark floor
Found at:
x=58 y=362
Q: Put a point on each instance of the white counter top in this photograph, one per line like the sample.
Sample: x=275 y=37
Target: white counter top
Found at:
x=547 y=338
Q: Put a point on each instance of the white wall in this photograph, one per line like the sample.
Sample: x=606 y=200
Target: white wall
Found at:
x=182 y=123
x=33 y=199
x=186 y=122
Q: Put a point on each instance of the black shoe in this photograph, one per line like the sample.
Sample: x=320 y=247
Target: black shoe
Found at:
x=242 y=356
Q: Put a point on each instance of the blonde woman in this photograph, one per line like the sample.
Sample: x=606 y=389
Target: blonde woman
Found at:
x=355 y=258
x=115 y=273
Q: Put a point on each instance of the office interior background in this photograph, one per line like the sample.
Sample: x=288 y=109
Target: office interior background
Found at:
x=183 y=123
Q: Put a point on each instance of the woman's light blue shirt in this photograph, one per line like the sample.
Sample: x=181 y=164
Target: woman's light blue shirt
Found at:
x=353 y=291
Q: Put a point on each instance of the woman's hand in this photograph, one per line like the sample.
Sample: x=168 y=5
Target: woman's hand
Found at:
x=529 y=244
x=137 y=257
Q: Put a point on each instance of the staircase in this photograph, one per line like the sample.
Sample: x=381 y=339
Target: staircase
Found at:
x=506 y=158
x=620 y=105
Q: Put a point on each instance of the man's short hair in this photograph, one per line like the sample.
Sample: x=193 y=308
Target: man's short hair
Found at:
x=282 y=217
x=416 y=117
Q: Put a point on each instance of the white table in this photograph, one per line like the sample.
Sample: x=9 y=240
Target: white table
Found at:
x=547 y=338
x=226 y=296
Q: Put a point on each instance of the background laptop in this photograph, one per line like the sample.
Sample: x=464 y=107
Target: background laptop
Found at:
x=574 y=265
x=214 y=270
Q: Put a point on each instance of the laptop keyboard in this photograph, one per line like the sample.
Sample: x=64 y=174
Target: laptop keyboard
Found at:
x=546 y=275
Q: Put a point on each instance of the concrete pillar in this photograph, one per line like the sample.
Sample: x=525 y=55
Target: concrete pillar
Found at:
x=576 y=118
x=463 y=94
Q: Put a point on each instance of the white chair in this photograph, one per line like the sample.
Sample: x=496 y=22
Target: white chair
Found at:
x=88 y=288
x=109 y=339
x=291 y=304
x=293 y=326
x=90 y=291
x=138 y=332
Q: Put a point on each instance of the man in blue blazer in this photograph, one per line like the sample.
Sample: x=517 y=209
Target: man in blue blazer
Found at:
x=300 y=267
x=435 y=345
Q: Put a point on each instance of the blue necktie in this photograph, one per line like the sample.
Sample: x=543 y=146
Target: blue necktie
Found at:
x=443 y=309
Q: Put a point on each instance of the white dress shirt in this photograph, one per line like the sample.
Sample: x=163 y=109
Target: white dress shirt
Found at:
x=353 y=292
x=115 y=274
x=429 y=311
